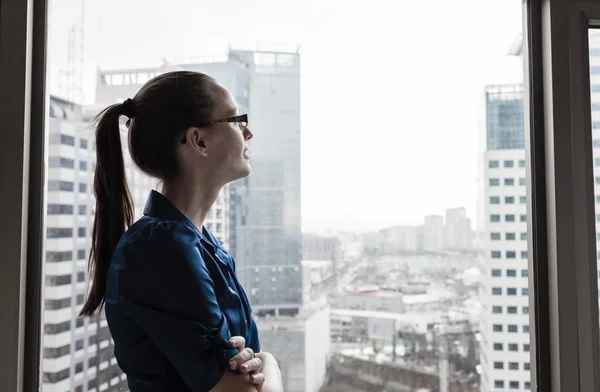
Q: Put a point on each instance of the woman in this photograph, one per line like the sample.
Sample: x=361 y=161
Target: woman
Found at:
x=178 y=316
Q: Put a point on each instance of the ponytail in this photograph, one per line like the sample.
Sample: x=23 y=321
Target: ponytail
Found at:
x=114 y=206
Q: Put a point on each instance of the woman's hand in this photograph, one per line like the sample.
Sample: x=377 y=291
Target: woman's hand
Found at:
x=272 y=374
x=247 y=361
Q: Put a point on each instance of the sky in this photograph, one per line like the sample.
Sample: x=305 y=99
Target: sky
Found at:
x=392 y=91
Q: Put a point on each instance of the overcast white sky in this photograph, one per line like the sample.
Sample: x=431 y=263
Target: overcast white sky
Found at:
x=391 y=90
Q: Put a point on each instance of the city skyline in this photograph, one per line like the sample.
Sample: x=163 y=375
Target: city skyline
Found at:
x=333 y=50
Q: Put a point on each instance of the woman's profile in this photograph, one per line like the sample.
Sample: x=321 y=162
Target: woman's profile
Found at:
x=178 y=316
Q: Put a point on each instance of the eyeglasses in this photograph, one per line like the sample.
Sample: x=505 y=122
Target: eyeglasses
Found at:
x=241 y=120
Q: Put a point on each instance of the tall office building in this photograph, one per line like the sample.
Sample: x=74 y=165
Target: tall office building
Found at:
x=505 y=353
x=77 y=353
x=269 y=235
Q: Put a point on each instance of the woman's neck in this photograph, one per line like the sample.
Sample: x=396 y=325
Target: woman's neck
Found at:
x=193 y=198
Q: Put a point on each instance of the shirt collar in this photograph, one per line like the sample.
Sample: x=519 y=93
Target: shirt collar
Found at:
x=160 y=207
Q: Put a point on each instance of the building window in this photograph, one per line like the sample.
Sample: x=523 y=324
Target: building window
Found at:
x=525 y=309
x=499 y=384
x=526 y=348
x=81 y=254
x=511 y=291
x=56 y=162
x=82 y=210
x=513 y=366
x=494 y=200
x=498 y=347
x=509 y=181
x=68 y=140
x=83 y=144
x=525 y=328
x=524 y=273
x=57 y=304
x=523 y=254
x=495 y=236
x=82 y=188
x=597 y=161
x=524 y=236
x=523 y=218
x=80 y=276
x=496 y=273
x=497 y=328
x=83 y=165
x=499 y=365
x=523 y=199
x=57 y=280
x=52 y=257
x=494 y=218
x=511 y=254
x=511 y=273
x=527 y=385
x=81 y=232
x=511 y=309
x=496 y=290
x=525 y=291
x=494 y=181
x=514 y=385
x=59 y=232
x=60 y=209
x=496 y=254
x=522 y=163
x=513 y=329
x=513 y=347
x=526 y=366
x=509 y=218
x=509 y=164
x=493 y=164
x=509 y=200
x=497 y=309
x=65 y=186
x=522 y=181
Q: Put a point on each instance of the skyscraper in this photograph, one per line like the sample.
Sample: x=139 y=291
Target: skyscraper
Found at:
x=77 y=354
x=505 y=350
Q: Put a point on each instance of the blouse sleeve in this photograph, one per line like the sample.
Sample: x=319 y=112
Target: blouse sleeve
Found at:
x=166 y=289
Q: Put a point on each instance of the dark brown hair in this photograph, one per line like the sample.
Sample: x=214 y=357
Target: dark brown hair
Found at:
x=160 y=113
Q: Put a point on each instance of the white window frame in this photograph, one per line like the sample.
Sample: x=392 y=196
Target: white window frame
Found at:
x=562 y=240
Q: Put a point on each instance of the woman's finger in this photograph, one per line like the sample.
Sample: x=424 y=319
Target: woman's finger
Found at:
x=253 y=365
x=257 y=378
x=243 y=356
x=237 y=342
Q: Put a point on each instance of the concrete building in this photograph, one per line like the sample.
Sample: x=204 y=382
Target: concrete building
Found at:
x=505 y=349
x=317 y=247
x=77 y=353
x=301 y=344
x=433 y=232
x=458 y=230
x=399 y=239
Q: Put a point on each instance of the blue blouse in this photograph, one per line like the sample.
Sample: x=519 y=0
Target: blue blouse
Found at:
x=172 y=303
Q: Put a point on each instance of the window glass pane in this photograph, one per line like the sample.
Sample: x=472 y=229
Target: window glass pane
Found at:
x=329 y=249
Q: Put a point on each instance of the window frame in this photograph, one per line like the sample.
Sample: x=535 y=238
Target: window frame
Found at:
x=564 y=305
x=564 y=296
x=23 y=118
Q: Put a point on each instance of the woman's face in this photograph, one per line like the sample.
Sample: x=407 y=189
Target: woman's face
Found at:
x=220 y=151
